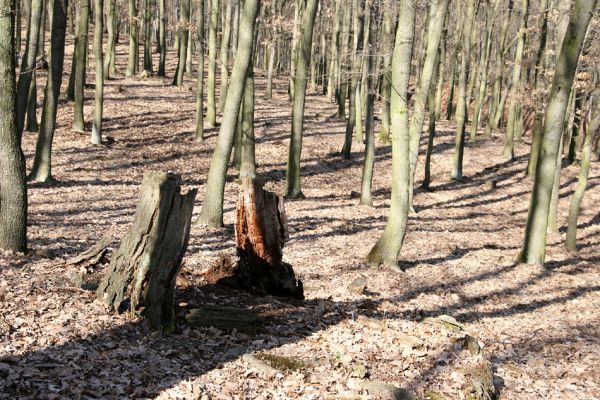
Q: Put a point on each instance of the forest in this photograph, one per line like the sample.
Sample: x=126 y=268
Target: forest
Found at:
x=300 y=199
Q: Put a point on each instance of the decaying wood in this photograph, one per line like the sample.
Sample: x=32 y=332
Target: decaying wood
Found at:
x=260 y=232
x=224 y=318
x=144 y=268
x=94 y=254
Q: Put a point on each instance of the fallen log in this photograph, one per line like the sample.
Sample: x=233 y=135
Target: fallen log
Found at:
x=142 y=272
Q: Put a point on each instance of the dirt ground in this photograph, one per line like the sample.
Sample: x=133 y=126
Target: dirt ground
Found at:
x=539 y=326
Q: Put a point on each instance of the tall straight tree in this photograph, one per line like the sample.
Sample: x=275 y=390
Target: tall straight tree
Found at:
x=461 y=105
x=513 y=91
x=111 y=25
x=41 y=170
x=133 y=60
x=437 y=13
x=184 y=31
x=148 y=35
x=594 y=127
x=211 y=106
x=80 y=55
x=96 y=137
x=199 y=136
x=224 y=55
x=309 y=10
x=28 y=61
x=212 y=206
x=388 y=247
x=534 y=244
x=162 y=36
x=13 y=188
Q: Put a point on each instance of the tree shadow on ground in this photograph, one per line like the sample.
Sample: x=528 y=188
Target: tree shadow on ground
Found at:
x=129 y=360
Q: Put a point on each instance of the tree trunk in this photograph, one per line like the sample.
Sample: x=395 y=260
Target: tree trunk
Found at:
x=366 y=197
x=571 y=240
x=247 y=156
x=431 y=102
x=199 y=136
x=42 y=162
x=534 y=245
x=212 y=208
x=13 y=188
x=388 y=247
x=81 y=45
x=224 y=55
x=211 y=105
x=513 y=96
x=437 y=12
x=28 y=62
x=162 y=37
x=96 y=137
x=31 y=124
x=461 y=104
x=183 y=41
x=144 y=268
x=386 y=82
x=111 y=25
x=148 y=35
x=260 y=233
x=132 y=62
x=293 y=165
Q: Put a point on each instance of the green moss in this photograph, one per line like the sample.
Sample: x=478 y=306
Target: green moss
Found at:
x=281 y=362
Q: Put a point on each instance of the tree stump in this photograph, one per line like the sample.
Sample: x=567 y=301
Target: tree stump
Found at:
x=142 y=272
x=260 y=233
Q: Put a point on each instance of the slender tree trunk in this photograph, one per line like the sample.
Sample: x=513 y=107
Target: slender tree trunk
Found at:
x=224 y=55
x=431 y=102
x=96 y=137
x=305 y=40
x=148 y=36
x=366 y=197
x=386 y=81
x=461 y=105
x=109 y=61
x=183 y=41
x=571 y=240
x=31 y=124
x=28 y=62
x=342 y=89
x=358 y=13
x=513 y=96
x=388 y=247
x=42 y=164
x=496 y=105
x=439 y=92
x=162 y=41
x=133 y=60
x=211 y=105
x=199 y=137
x=247 y=157
x=572 y=151
x=13 y=188
x=534 y=245
x=438 y=9
x=212 y=207
x=79 y=65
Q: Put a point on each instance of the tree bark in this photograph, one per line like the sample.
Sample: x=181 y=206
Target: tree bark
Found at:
x=211 y=107
x=144 y=268
x=96 y=137
x=183 y=41
x=260 y=233
x=461 y=104
x=293 y=165
x=81 y=45
x=42 y=162
x=199 y=136
x=224 y=55
x=534 y=244
x=388 y=247
x=13 y=188
x=133 y=60
x=212 y=208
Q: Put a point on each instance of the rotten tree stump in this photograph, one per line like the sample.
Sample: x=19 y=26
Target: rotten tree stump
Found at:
x=260 y=233
x=142 y=272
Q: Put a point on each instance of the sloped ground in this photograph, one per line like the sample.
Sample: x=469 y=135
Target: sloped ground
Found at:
x=538 y=326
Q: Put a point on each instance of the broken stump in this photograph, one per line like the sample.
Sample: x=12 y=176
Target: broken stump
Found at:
x=260 y=233
x=142 y=272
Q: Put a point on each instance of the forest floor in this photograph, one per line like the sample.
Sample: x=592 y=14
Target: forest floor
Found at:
x=539 y=326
